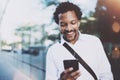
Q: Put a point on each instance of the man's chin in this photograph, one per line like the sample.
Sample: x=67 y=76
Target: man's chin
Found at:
x=70 y=39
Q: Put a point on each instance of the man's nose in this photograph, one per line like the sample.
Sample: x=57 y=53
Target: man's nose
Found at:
x=68 y=27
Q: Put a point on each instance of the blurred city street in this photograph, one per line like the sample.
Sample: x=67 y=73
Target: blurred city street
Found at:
x=28 y=29
x=29 y=66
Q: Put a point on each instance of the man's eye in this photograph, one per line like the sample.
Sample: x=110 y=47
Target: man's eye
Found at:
x=73 y=22
x=62 y=24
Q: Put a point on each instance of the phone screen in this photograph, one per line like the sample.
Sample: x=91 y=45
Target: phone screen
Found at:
x=71 y=63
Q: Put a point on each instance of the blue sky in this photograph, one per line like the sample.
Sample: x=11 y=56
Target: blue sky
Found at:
x=22 y=12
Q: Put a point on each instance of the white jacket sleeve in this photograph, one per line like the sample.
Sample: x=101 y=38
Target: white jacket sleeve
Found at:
x=104 y=65
x=51 y=69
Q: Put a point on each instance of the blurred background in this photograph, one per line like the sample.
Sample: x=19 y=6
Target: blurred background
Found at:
x=27 y=29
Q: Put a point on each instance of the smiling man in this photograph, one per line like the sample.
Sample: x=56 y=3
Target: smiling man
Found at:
x=69 y=25
x=88 y=47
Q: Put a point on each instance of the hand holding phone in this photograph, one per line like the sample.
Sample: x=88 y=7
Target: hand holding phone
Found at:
x=71 y=63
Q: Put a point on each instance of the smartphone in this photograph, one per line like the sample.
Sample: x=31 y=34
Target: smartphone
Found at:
x=71 y=63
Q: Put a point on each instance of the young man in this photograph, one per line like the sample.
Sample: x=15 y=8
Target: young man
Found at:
x=68 y=16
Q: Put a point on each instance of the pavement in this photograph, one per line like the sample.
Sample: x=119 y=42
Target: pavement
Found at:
x=21 y=67
x=8 y=72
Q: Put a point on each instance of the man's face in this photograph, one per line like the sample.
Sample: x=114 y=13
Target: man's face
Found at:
x=69 y=26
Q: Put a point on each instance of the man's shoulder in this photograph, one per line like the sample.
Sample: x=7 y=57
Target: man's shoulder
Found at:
x=55 y=45
x=89 y=37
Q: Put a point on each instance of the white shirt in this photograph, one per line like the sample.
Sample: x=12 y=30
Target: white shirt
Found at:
x=91 y=51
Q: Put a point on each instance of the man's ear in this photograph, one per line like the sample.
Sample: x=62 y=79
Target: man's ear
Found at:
x=79 y=23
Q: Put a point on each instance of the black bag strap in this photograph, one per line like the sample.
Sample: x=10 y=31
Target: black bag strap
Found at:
x=83 y=63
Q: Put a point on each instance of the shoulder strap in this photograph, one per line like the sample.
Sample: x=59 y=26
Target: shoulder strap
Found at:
x=83 y=63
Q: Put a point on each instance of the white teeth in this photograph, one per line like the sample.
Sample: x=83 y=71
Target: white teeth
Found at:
x=70 y=33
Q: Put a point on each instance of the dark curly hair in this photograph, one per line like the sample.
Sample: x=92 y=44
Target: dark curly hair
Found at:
x=67 y=6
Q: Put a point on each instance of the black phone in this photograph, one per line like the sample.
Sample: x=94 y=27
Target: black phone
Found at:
x=71 y=63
